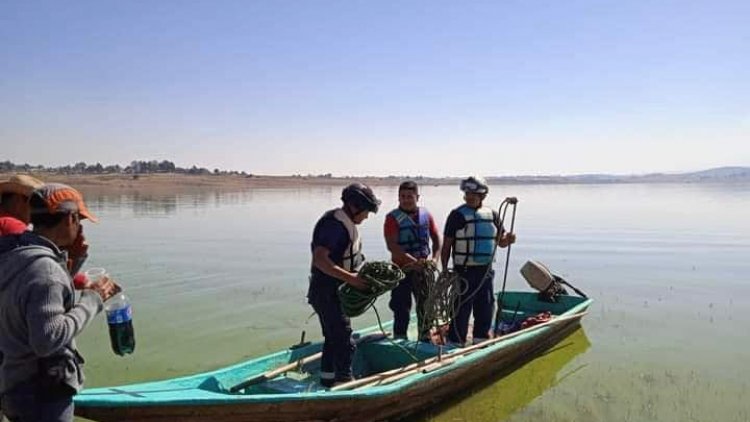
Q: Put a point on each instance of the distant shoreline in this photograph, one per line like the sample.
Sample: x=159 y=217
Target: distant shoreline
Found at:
x=179 y=181
x=186 y=182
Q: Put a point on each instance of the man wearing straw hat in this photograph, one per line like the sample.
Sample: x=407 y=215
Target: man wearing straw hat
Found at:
x=15 y=213
x=40 y=315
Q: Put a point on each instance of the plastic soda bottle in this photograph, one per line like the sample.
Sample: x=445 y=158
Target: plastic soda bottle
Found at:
x=120 y=321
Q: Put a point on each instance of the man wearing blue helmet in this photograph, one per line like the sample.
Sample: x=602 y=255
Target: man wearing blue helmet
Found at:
x=471 y=235
x=336 y=258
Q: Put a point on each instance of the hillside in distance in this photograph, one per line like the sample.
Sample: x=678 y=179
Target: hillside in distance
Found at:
x=714 y=175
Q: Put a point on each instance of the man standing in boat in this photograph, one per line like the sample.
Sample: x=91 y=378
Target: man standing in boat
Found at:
x=39 y=314
x=471 y=234
x=408 y=231
x=336 y=258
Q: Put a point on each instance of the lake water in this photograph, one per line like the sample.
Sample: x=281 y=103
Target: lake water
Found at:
x=218 y=277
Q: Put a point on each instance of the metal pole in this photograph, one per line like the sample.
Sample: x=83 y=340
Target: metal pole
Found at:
x=502 y=211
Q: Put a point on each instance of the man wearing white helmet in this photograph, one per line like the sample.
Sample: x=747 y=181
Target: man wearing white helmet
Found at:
x=471 y=235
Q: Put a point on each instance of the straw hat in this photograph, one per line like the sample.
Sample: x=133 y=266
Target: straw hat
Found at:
x=20 y=184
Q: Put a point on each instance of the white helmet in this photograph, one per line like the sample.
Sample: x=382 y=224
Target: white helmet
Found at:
x=475 y=185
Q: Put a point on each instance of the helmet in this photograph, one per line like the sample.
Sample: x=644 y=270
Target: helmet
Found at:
x=474 y=185
x=361 y=196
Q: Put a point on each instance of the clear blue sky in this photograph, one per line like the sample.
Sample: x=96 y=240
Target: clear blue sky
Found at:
x=376 y=87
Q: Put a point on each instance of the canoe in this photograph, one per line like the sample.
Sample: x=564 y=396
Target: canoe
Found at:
x=394 y=377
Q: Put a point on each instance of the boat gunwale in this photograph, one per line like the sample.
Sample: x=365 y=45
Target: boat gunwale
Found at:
x=91 y=400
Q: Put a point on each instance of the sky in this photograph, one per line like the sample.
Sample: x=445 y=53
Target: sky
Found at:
x=434 y=88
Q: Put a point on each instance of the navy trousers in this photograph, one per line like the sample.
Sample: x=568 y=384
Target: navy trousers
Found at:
x=477 y=296
x=24 y=404
x=338 y=347
x=400 y=304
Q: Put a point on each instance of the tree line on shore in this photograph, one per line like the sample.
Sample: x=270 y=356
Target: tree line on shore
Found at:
x=135 y=167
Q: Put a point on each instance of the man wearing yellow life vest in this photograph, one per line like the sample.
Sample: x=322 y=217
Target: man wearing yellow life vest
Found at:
x=471 y=235
x=336 y=258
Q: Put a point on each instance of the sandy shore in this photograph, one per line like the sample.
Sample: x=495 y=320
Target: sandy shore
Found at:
x=185 y=182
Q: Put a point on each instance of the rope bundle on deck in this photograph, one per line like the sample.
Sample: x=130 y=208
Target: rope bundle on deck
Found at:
x=440 y=295
x=381 y=277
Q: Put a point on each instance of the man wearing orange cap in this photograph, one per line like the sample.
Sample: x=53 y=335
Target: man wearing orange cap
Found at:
x=15 y=213
x=42 y=369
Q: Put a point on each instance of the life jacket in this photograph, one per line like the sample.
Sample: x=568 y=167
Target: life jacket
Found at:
x=475 y=243
x=353 y=257
x=414 y=238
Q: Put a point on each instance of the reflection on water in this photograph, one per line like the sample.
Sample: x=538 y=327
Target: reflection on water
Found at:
x=216 y=277
x=505 y=396
x=164 y=204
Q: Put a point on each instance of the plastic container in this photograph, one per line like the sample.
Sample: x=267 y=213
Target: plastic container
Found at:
x=120 y=321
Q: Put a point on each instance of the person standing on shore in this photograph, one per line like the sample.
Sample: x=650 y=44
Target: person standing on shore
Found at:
x=39 y=314
x=336 y=258
x=15 y=214
x=408 y=231
x=471 y=234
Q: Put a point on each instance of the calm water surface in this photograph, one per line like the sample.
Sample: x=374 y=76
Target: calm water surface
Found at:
x=217 y=277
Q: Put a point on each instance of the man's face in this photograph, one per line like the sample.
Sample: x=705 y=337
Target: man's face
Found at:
x=474 y=200
x=73 y=227
x=360 y=216
x=407 y=200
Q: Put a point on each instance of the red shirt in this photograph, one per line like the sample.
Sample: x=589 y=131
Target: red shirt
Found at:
x=11 y=225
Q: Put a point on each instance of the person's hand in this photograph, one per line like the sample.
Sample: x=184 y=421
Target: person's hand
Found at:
x=80 y=281
x=357 y=282
x=506 y=239
x=414 y=265
x=105 y=287
x=78 y=251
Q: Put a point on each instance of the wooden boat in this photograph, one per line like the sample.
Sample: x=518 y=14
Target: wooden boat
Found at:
x=389 y=383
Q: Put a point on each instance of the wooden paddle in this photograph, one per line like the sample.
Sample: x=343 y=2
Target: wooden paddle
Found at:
x=268 y=375
x=431 y=364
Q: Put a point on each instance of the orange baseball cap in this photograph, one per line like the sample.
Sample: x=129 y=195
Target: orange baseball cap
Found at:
x=60 y=198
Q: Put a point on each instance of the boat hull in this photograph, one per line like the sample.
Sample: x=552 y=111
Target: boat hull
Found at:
x=379 y=403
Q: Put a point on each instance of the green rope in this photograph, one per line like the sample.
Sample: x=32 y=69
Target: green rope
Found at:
x=380 y=276
x=440 y=297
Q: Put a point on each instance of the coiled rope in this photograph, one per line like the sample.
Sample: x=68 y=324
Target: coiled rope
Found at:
x=439 y=293
x=380 y=276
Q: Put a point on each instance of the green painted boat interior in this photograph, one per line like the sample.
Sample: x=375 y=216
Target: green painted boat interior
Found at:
x=371 y=357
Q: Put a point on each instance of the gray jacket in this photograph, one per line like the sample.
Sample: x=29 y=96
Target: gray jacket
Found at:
x=39 y=314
